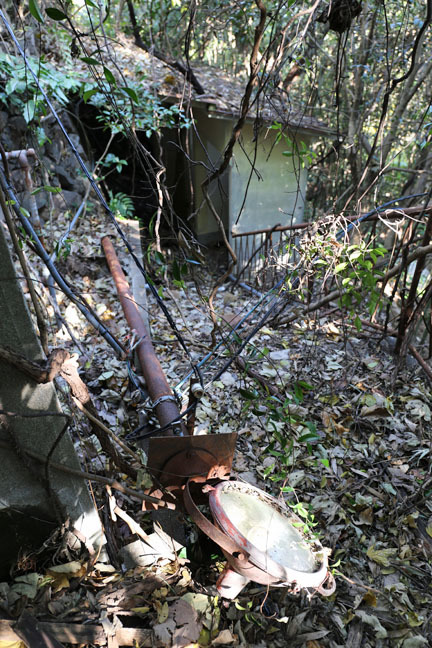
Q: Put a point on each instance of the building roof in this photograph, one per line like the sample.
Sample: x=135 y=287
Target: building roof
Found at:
x=222 y=92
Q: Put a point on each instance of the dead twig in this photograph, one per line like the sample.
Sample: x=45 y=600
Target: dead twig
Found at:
x=107 y=431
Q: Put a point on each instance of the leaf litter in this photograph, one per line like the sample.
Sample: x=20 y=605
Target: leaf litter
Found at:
x=345 y=437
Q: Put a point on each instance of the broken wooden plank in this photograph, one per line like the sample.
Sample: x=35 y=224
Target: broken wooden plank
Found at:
x=29 y=630
x=78 y=633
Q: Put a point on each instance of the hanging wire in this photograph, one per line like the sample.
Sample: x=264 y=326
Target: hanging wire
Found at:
x=61 y=282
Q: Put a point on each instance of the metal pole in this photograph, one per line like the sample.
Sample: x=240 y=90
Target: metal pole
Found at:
x=164 y=402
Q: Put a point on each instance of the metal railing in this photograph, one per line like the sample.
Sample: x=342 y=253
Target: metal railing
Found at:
x=263 y=253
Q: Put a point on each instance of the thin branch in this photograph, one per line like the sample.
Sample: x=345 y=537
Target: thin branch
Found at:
x=95 y=478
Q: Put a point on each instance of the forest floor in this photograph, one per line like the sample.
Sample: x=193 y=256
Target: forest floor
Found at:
x=347 y=441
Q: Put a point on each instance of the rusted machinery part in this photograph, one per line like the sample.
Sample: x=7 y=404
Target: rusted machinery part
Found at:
x=282 y=575
x=21 y=155
x=173 y=461
x=208 y=456
x=164 y=402
x=254 y=564
x=210 y=529
x=328 y=586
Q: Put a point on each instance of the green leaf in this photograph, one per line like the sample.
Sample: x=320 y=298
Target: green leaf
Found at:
x=89 y=93
x=176 y=271
x=355 y=255
x=25 y=212
x=340 y=267
x=90 y=61
x=90 y=3
x=249 y=395
x=109 y=76
x=381 y=556
x=305 y=385
x=130 y=93
x=46 y=188
x=298 y=391
x=309 y=436
x=35 y=11
x=55 y=14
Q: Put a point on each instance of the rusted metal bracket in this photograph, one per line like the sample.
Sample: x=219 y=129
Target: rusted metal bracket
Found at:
x=173 y=461
x=228 y=545
x=246 y=560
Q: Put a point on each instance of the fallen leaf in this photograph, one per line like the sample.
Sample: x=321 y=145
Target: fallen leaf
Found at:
x=415 y=642
x=203 y=604
x=369 y=599
x=366 y=516
x=374 y=622
x=224 y=637
x=26 y=585
x=60 y=574
x=380 y=556
x=419 y=409
x=141 y=610
x=162 y=611
x=415 y=619
x=58 y=581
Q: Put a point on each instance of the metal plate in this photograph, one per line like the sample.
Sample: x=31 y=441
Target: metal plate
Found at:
x=172 y=460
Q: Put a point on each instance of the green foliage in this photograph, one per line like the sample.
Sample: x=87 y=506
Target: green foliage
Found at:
x=55 y=14
x=65 y=249
x=353 y=267
x=179 y=271
x=17 y=87
x=122 y=107
x=359 y=277
x=35 y=11
x=287 y=429
x=121 y=205
x=111 y=161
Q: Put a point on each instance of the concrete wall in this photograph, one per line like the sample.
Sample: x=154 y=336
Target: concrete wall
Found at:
x=208 y=149
x=24 y=502
x=275 y=189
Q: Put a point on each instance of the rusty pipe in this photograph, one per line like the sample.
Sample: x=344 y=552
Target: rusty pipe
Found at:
x=165 y=405
x=21 y=156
